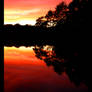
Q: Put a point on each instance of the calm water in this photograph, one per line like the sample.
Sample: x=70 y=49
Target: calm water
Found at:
x=37 y=70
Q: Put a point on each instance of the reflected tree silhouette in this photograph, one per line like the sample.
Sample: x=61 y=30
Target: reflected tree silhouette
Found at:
x=72 y=66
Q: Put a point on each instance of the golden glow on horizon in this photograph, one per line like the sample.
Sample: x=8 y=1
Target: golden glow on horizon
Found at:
x=22 y=55
x=20 y=48
x=26 y=12
x=22 y=22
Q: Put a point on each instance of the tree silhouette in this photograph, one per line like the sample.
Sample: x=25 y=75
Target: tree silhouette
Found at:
x=61 y=13
x=67 y=17
x=49 y=15
x=61 y=10
x=39 y=21
x=52 y=17
x=77 y=14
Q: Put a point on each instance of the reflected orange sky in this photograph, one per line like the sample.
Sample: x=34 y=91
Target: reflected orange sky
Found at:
x=24 y=72
x=21 y=55
x=27 y=11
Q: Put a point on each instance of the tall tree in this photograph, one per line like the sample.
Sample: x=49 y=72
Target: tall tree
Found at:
x=39 y=21
x=52 y=17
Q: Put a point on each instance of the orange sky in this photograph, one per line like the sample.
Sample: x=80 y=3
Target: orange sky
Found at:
x=27 y=11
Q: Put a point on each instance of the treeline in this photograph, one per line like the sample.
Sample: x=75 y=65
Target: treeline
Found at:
x=72 y=16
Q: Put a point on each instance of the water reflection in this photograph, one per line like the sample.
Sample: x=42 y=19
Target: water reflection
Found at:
x=31 y=69
x=61 y=64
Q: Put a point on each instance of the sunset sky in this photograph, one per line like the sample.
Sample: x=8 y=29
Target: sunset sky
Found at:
x=27 y=11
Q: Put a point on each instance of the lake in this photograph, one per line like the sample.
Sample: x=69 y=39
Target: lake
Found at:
x=39 y=69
